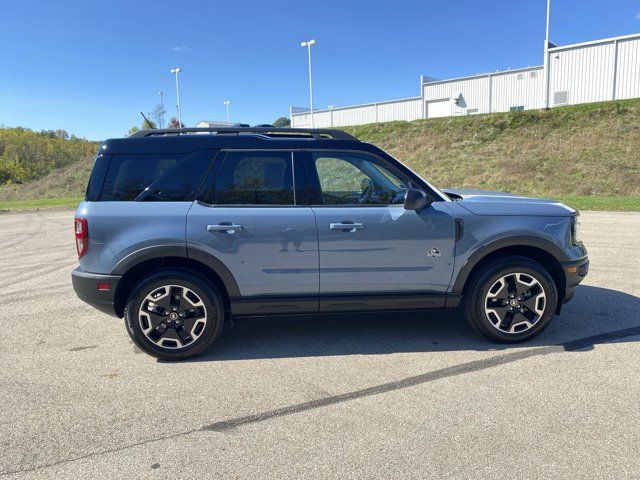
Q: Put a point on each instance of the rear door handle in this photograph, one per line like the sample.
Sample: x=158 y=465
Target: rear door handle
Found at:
x=346 y=226
x=230 y=228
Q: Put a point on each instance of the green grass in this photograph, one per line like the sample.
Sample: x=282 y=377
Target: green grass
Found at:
x=33 y=204
x=590 y=150
x=620 y=204
x=587 y=156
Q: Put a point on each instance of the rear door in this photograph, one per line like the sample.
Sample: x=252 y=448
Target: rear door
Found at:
x=369 y=244
x=251 y=216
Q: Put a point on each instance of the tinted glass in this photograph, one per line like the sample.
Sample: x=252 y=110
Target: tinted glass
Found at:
x=357 y=179
x=255 y=178
x=155 y=178
x=96 y=179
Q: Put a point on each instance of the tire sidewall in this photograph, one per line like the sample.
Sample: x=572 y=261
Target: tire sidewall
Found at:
x=210 y=297
x=486 y=280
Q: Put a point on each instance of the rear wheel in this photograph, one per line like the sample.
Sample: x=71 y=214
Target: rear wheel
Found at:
x=174 y=315
x=511 y=300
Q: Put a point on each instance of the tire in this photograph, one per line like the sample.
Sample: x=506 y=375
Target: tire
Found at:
x=174 y=315
x=511 y=300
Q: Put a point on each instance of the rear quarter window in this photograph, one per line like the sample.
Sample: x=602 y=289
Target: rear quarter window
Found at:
x=155 y=178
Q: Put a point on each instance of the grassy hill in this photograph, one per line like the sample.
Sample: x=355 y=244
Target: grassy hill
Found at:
x=585 y=155
x=36 y=167
x=576 y=151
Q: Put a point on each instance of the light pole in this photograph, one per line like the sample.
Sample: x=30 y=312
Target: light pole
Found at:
x=177 y=70
x=161 y=109
x=331 y=107
x=227 y=103
x=308 y=45
x=547 y=59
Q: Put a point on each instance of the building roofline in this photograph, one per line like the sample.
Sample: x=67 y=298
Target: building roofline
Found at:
x=370 y=104
x=595 y=42
x=489 y=74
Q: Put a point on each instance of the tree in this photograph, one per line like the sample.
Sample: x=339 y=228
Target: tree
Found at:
x=174 y=123
x=282 y=122
x=158 y=114
x=149 y=125
x=133 y=129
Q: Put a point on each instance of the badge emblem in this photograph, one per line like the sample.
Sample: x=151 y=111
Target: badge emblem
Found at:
x=433 y=253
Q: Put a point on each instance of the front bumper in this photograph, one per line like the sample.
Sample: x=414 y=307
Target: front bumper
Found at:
x=574 y=273
x=86 y=286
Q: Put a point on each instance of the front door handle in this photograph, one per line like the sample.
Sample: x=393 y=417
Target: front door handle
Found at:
x=346 y=226
x=229 y=228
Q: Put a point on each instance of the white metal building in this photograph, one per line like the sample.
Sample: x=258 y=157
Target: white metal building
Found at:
x=212 y=124
x=587 y=72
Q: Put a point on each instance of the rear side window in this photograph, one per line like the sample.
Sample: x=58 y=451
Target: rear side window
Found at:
x=96 y=179
x=254 y=178
x=155 y=178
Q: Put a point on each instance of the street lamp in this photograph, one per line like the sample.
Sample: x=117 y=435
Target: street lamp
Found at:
x=308 y=45
x=227 y=103
x=177 y=70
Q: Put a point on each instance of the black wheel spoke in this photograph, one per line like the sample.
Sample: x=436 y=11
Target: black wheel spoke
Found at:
x=184 y=334
x=511 y=285
x=529 y=315
x=531 y=304
x=158 y=332
x=176 y=298
x=507 y=320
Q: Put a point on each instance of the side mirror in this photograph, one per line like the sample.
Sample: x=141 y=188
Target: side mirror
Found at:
x=415 y=199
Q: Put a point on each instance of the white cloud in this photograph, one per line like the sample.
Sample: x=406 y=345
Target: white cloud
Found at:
x=638 y=16
x=181 y=49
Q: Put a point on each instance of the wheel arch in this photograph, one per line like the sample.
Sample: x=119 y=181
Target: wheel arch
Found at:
x=204 y=265
x=542 y=251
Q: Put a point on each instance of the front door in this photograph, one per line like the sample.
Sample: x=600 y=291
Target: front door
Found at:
x=369 y=244
x=251 y=219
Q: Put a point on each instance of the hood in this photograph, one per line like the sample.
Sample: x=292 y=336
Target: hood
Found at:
x=486 y=202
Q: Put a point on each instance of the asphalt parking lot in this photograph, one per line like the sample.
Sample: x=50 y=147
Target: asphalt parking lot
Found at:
x=351 y=396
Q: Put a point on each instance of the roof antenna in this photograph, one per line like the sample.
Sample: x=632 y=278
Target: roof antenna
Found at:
x=147 y=120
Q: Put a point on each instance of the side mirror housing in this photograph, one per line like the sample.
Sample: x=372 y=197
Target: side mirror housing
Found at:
x=415 y=199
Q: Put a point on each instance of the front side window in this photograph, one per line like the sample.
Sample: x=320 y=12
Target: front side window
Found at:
x=254 y=178
x=357 y=179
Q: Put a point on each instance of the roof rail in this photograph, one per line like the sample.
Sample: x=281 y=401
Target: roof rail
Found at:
x=317 y=133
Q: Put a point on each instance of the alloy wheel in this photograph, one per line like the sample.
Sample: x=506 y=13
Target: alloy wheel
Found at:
x=515 y=303
x=172 y=316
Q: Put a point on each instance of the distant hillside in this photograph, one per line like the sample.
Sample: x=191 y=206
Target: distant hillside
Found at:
x=585 y=150
x=591 y=149
x=43 y=164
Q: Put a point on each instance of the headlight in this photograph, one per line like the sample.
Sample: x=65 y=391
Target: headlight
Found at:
x=575 y=230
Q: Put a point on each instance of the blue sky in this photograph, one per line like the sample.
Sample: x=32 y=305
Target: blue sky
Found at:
x=90 y=67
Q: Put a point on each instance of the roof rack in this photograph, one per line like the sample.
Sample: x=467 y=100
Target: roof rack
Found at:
x=316 y=133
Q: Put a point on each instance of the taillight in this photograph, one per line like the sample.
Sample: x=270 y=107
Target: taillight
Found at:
x=82 y=235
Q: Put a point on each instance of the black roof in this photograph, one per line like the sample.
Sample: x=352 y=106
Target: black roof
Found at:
x=186 y=140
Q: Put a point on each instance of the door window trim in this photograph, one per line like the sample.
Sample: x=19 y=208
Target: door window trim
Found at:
x=299 y=184
x=314 y=181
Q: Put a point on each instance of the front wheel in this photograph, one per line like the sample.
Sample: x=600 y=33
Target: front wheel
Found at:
x=174 y=315
x=511 y=300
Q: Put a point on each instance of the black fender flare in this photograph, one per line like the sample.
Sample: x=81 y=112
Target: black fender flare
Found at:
x=180 y=251
x=497 y=244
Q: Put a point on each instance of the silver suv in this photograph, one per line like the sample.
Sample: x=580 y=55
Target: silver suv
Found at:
x=182 y=229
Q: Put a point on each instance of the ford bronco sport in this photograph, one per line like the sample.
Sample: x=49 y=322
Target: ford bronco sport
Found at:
x=182 y=229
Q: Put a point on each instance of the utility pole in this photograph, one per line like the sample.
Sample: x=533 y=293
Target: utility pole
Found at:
x=308 y=45
x=177 y=70
x=161 y=109
x=547 y=67
x=227 y=103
